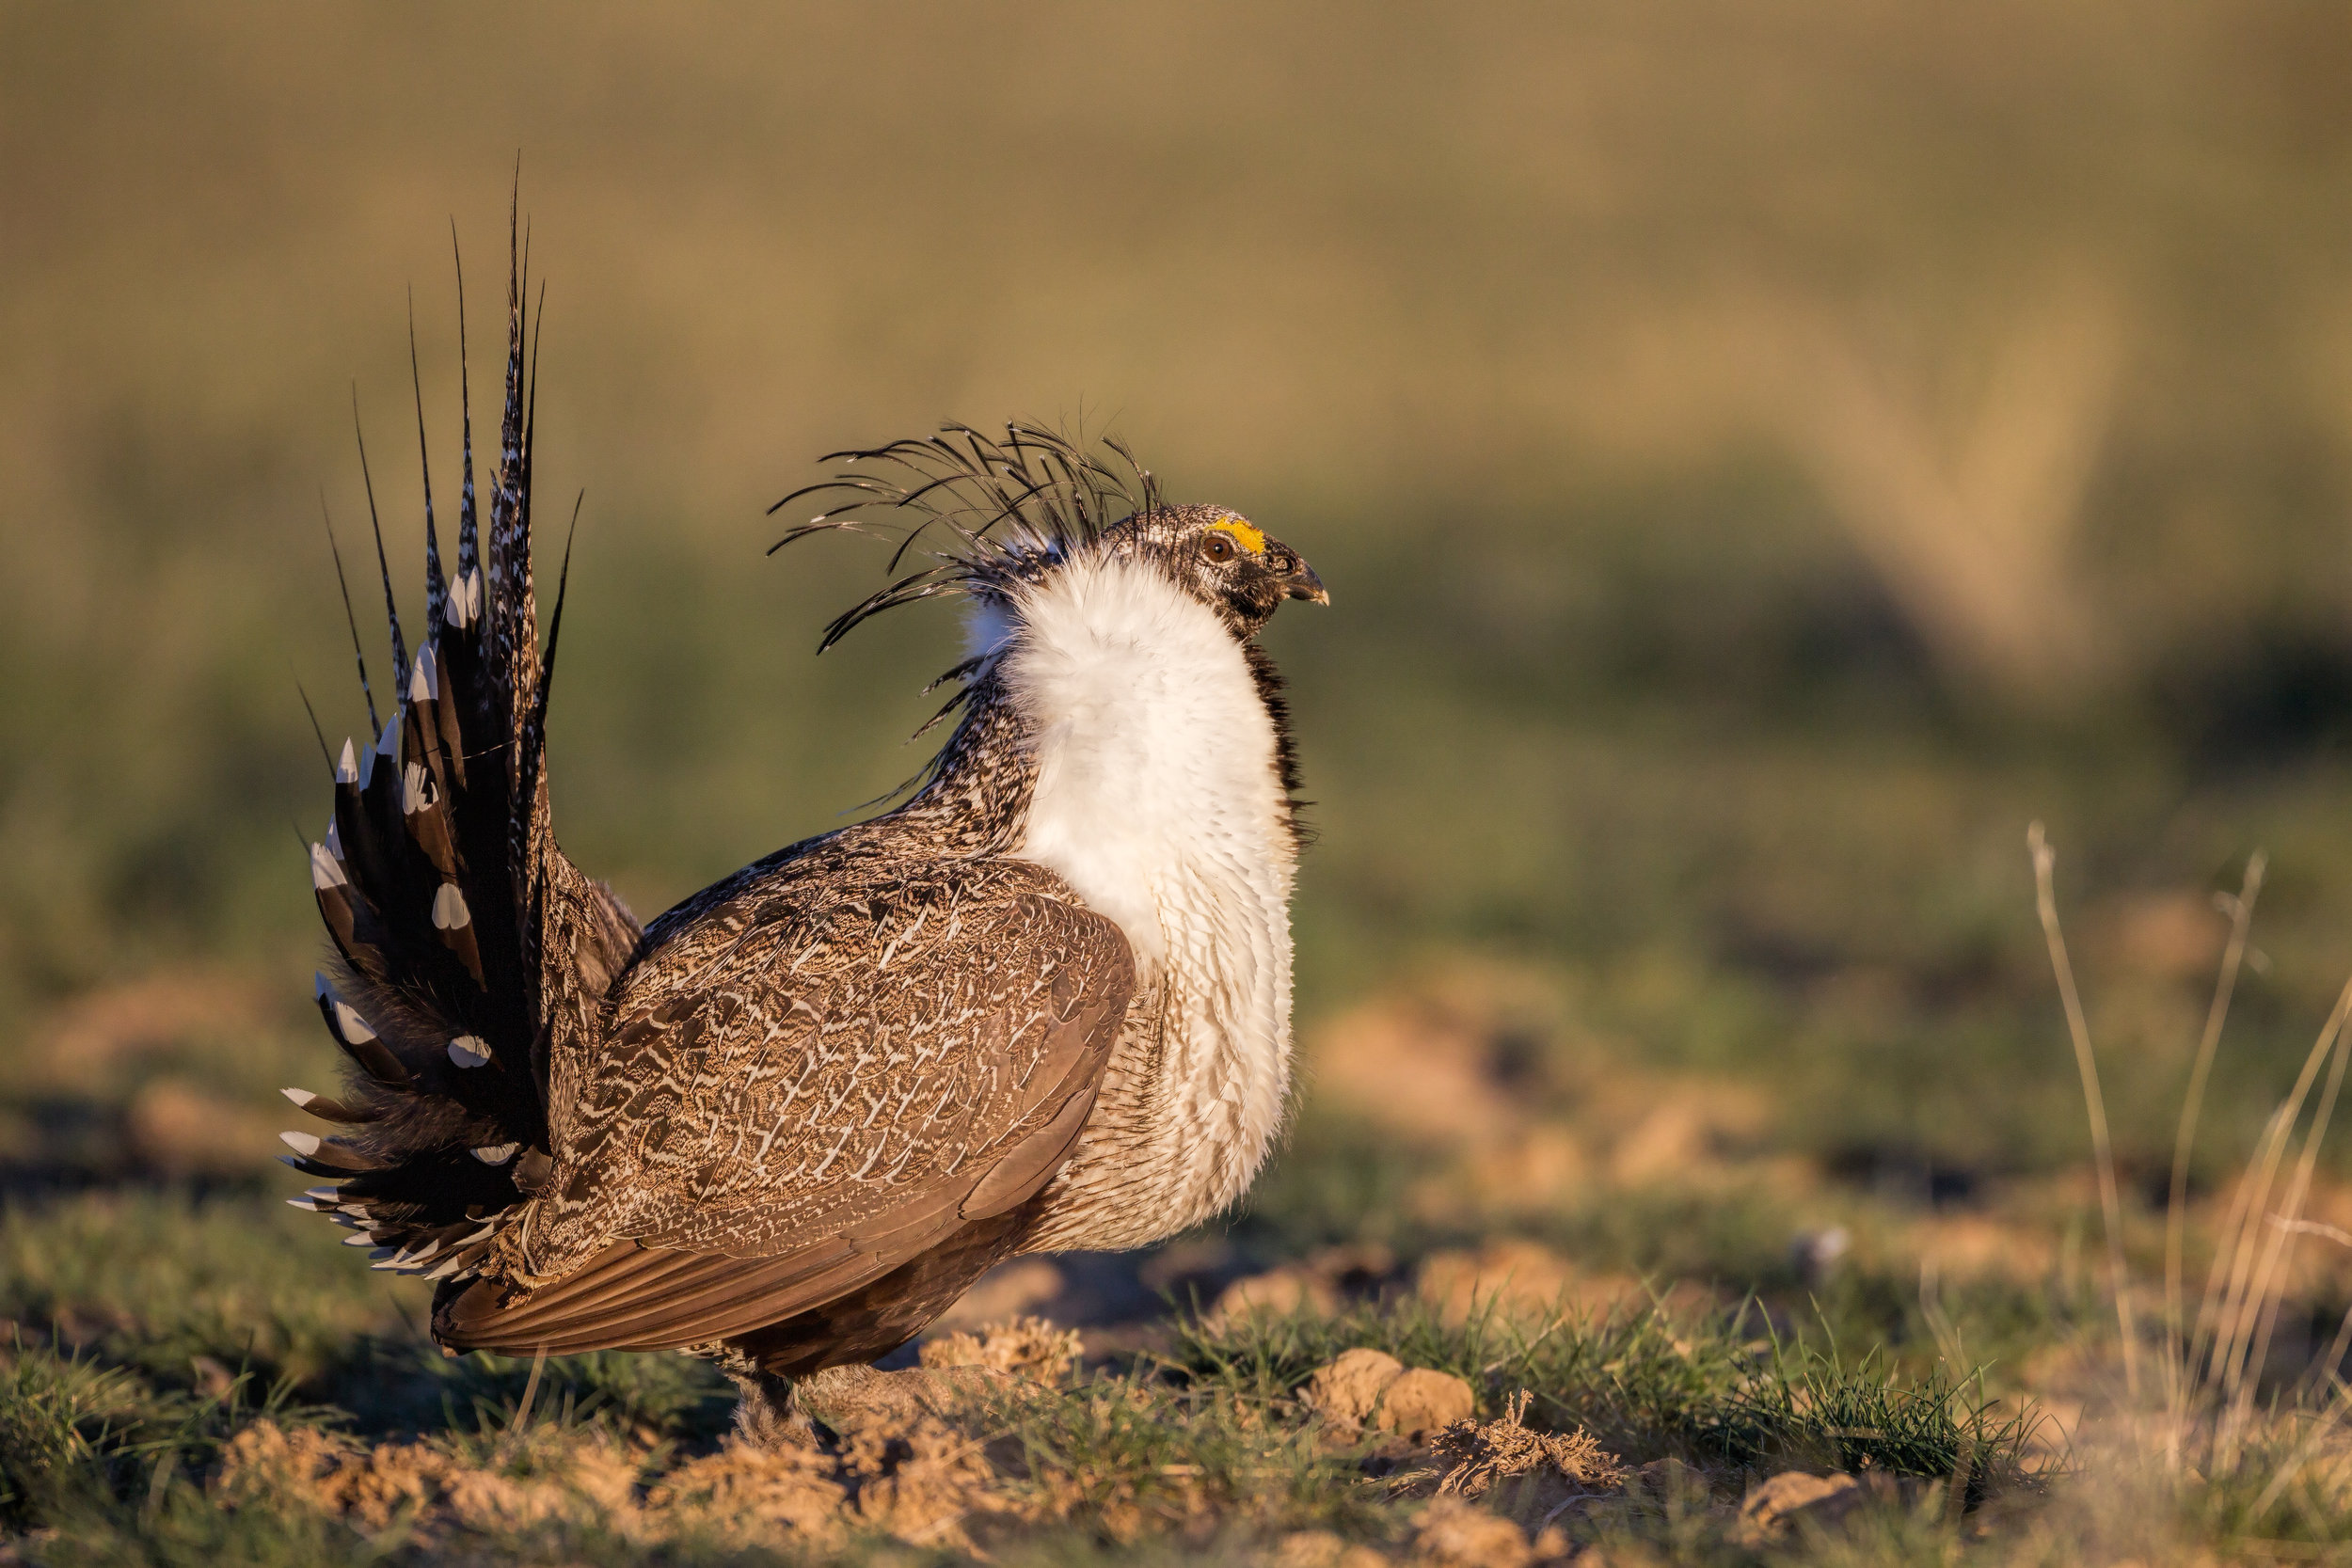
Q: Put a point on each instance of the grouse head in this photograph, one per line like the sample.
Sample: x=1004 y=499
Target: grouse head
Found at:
x=1221 y=558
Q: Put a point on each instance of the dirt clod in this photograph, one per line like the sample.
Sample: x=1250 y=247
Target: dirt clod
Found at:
x=1420 y=1403
x=1319 y=1548
x=1348 y=1390
x=1451 y=1533
x=1664 y=1480
x=1778 y=1503
x=1278 y=1293
x=1524 y=1280
x=1370 y=1388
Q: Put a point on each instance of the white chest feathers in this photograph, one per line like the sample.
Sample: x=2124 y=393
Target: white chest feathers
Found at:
x=1157 y=797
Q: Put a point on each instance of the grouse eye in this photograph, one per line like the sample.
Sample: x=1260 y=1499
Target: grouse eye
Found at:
x=1219 y=548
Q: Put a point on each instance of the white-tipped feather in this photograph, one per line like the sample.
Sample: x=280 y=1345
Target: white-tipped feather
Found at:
x=449 y=909
x=468 y=1050
x=412 y=786
x=326 y=871
x=301 y=1097
x=464 y=599
x=305 y=1144
x=420 y=680
x=387 y=744
x=334 y=839
x=347 y=769
x=496 y=1154
x=355 y=1028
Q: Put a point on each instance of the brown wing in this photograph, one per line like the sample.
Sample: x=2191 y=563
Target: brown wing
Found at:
x=829 y=1073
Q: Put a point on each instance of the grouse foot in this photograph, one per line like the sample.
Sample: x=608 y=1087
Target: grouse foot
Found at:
x=769 y=1414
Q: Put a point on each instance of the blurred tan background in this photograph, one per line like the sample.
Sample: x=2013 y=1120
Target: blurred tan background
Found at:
x=1761 y=459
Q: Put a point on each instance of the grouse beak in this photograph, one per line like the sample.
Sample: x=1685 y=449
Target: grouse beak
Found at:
x=1304 y=584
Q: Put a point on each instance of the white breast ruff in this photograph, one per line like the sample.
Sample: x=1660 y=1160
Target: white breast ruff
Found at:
x=1158 y=800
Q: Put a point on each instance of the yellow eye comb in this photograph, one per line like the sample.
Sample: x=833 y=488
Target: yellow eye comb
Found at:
x=1252 y=537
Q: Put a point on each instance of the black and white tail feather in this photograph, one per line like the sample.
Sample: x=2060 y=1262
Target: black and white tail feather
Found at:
x=469 y=952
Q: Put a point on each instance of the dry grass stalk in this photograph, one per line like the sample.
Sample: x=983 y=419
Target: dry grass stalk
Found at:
x=2236 y=1279
x=2323 y=1371
x=2233 y=1259
x=2249 y=1307
x=2214 y=1430
x=2241 y=912
x=2110 y=1200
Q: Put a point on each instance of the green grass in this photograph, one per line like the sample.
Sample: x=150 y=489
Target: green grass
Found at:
x=107 y=1447
x=1647 y=1386
x=77 y=1432
x=1197 y=1452
x=156 y=1280
x=1128 y=1459
x=176 y=1525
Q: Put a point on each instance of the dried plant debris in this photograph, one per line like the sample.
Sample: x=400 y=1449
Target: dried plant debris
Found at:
x=743 y=1495
x=430 y=1486
x=1478 y=1456
x=917 y=1482
x=1026 y=1347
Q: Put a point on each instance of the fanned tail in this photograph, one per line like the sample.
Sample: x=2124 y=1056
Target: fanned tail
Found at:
x=470 y=952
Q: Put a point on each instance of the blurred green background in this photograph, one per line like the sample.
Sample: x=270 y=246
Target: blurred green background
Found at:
x=1762 y=457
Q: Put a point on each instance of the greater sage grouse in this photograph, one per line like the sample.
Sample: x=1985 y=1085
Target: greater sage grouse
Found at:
x=1041 y=1004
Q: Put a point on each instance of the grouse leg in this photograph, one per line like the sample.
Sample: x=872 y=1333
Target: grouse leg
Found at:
x=768 y=1414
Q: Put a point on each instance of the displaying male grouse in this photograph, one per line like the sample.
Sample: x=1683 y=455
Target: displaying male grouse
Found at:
x=1043 y=1004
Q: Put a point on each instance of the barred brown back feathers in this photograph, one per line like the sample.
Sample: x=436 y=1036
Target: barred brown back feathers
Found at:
x=788 y=1122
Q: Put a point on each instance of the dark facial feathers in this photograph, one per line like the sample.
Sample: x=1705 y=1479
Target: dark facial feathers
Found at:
x=1221 y=558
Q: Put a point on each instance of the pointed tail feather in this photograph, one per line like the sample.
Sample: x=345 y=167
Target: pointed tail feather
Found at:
x=473 y=955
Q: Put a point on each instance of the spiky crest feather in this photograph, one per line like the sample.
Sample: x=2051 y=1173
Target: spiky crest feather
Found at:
x=1013 y=508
